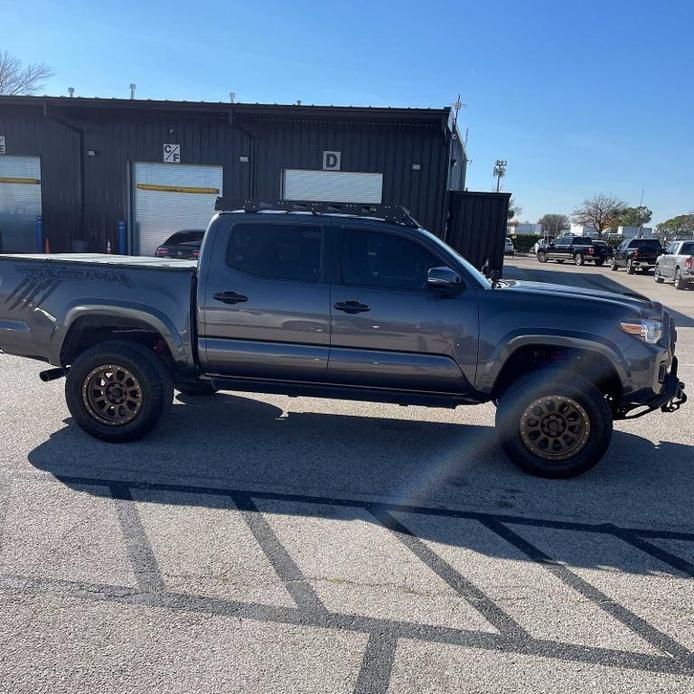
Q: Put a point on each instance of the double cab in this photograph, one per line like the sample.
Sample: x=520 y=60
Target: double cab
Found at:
x=340 y=301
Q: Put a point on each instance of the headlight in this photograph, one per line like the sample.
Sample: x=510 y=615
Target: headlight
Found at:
x=648 y=330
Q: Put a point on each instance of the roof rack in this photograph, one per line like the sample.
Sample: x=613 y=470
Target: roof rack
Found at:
x=395 y=214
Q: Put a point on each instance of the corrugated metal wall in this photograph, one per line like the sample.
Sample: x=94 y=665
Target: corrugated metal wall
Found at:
x=65 y=136
x=477 y=226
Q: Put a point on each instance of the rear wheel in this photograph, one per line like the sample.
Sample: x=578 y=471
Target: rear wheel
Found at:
x=118 y=391
x=554 y=424
x=630 y=267
x=614 y=267
x=578 y=259
x=679 y=282
x=542 y=257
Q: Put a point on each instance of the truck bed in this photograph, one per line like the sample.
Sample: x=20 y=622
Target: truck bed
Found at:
x=104 y=259
x=43 y=297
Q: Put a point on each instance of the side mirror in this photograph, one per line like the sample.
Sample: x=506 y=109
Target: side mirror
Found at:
x=443 y=278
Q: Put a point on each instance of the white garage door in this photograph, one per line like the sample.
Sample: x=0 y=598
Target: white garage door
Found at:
x=332 y=186
x=171 y=197
x=20 y=202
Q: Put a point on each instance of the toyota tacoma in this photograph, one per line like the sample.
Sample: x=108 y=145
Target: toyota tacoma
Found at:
x=346 y=301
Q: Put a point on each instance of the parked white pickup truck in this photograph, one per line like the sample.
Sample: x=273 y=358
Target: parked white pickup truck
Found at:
x=676 y=263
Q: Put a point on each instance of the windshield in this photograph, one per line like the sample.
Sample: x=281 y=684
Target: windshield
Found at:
x=474 y=273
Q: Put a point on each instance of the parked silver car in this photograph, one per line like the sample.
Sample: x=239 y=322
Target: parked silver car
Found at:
x=676 y=263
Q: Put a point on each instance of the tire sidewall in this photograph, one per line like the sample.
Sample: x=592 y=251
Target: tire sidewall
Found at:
x=578 y=259
x=155 y=383
x=528 y=388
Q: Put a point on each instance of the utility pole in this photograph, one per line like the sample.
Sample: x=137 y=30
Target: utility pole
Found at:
x=499 y=171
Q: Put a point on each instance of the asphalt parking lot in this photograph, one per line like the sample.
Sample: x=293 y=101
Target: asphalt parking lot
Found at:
x=267 y=544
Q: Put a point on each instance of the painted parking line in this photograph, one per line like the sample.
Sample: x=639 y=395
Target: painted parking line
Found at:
x=56 y=532
x=541 y=603
x=202 y=546
x=356 y=566
x=421 y=668
x=636 y=586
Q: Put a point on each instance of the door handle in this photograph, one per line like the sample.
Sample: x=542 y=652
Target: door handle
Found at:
x=230 y=297
x=352 y=307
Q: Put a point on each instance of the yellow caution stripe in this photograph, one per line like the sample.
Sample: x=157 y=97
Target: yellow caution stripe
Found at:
x=177 y=189
x=9 y=179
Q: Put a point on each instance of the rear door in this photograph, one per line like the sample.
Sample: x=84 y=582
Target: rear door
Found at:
x=666 y=264
x=263 y=307
x=388 y=329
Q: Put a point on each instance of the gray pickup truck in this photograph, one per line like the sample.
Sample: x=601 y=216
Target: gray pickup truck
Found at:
x=340 y=301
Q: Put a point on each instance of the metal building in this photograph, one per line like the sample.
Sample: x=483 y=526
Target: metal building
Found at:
x=131 y=172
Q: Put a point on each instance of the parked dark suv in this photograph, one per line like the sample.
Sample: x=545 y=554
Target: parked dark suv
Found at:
x=577 y=249
x=637 y=254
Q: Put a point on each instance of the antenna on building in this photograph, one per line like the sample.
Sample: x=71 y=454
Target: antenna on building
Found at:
x=133 y=86
x=71 y=92
x=232 y=97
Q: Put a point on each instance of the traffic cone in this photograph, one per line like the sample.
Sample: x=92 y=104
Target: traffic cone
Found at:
x=46 y=246
x=108 y=246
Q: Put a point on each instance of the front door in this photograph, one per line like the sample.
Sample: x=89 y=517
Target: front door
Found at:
x=264 y=310
x=388 y=329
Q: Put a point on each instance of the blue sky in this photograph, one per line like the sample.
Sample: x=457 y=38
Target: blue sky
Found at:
x=580 y=97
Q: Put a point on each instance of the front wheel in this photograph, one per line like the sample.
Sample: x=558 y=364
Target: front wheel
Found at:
x=118 y=391
x=578 y=259
x=554 y=424
x=542 y=257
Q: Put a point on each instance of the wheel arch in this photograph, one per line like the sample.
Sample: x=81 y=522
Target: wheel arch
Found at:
x=85 y=326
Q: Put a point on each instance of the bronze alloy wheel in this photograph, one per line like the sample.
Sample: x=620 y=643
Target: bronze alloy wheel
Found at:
x=554 y=427
x=112 y=394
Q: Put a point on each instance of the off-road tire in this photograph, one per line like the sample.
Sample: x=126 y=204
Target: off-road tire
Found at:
x=544 y=385
x=153 y=381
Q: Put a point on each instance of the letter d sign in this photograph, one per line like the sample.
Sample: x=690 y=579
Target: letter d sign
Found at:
x=331 y=161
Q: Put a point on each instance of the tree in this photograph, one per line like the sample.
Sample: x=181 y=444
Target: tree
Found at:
x=635 y=216
x=16 y=78
x=514 y=209
x=682 y=225
x=600 y=212
x=553 y=224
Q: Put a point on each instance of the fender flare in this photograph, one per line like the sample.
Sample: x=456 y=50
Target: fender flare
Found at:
x=178 y=343
x=513 y=341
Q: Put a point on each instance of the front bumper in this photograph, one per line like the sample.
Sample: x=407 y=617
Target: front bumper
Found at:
x=670 y=398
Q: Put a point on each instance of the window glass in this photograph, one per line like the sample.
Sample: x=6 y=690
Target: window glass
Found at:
x=563 y=241
x=671 y=248
x=374 y=259
x=277 y=251
x=687 y=249
x=646 y=244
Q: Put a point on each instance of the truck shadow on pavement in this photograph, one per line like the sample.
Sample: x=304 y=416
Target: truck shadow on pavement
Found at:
x=321 y=461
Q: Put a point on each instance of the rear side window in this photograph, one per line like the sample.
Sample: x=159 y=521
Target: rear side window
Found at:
x=186 y=238
x=376 y=259
x=277 y=251
x=687 y=249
